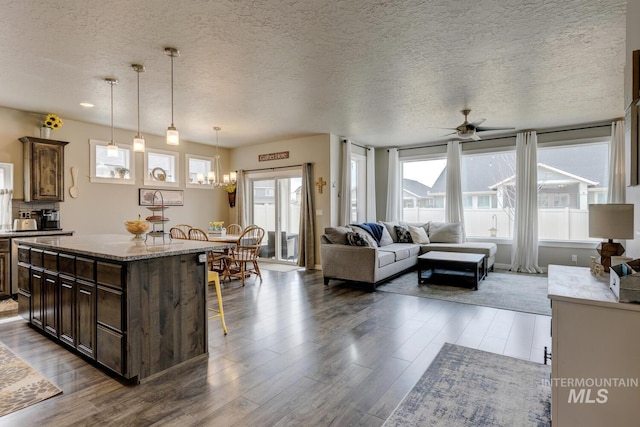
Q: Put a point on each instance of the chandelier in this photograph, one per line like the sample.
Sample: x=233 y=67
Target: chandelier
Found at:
x=214 y=176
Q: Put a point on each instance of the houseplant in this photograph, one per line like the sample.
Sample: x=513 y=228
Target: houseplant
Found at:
x=122 y=172
x=231 y=193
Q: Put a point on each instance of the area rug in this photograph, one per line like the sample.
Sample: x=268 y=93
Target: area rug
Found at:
x=8 y=306
x=467 y=387
x=283 y=268
x=20 y=384
x=510 y=291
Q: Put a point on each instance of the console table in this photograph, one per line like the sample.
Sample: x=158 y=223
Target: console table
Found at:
x=595 y=340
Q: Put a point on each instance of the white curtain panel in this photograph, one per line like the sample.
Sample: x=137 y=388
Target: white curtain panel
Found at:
x=6 y=195
x=524 y=252
x=617 y=178
x=345 y=187
x=371 y=185
x=454 y=211
x=394 y=187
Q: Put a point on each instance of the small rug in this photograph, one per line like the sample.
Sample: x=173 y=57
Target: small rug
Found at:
x=20 y=384
x=467 y=387
x=510 y=291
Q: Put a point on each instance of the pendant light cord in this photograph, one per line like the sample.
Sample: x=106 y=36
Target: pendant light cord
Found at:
x=172 y=125
x=111 y=83
x=138 y=72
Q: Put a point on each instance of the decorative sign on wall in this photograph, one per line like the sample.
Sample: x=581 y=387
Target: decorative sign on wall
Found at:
x=273 y=156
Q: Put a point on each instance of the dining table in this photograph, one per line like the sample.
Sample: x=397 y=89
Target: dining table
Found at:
x=223 y=238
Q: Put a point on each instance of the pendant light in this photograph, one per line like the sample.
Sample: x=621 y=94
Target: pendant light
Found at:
x=112 y=148
x=173 y=137
x=138 y=140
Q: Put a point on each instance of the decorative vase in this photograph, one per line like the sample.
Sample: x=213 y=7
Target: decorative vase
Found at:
x=45 y=132
x=232 y=199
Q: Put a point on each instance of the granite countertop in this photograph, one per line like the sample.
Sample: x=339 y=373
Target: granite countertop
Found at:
x=121 y=247
x=577 y=284
x=10 y=234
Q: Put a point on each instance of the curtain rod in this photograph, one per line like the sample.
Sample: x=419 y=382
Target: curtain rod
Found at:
x=507 y=137
x=273 y=168
x=357 y=145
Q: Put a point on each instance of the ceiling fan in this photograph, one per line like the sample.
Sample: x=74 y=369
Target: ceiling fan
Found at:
x=469 y=130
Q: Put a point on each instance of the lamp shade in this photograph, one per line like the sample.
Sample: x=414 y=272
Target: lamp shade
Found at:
x=611 y=221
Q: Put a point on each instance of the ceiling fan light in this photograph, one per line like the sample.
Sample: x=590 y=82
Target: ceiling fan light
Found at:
x=173 y=136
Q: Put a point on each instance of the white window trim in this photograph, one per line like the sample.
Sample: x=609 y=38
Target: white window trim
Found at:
x=188 y=184
x=93 y=143
x=153 y=183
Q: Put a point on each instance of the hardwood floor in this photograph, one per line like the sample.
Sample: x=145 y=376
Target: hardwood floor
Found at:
x=297 y=353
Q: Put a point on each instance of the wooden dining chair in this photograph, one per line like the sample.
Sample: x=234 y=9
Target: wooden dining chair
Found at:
x=234 y=229
x=243 y=258
x=217 y=261
x=177 y=233
x=185 y=229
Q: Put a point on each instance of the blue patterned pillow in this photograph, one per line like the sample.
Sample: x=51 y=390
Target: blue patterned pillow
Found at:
x=356 y=239
x=403 y=234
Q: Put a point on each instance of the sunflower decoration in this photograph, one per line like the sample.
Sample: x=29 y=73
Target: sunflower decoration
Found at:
x=231 y=188
x=52 y=121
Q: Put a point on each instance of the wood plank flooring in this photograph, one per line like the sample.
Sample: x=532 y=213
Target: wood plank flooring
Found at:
x=297 y=353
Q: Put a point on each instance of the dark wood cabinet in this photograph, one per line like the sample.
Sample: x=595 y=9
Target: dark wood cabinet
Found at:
x=68 y=310
x=86 y=317
x=37 y=280
x=50 y=303
x=43 y=169
x=5 y=262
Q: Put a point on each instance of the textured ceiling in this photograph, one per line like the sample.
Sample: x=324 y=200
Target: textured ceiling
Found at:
x=380 y=72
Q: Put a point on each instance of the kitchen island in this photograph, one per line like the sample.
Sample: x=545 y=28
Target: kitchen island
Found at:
x=132 y=307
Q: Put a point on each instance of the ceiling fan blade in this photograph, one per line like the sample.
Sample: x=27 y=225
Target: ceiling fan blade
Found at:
x=477 y=123
x=483 y=128
x=475 y=137
x=452 y=133
x=433 y=127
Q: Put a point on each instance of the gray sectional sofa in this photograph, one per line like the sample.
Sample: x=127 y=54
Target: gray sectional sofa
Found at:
x=388 y=256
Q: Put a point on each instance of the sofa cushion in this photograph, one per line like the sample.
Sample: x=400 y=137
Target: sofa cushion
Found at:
x=389 y=226
x=385 y=258
x=337 y=235
x=401 y=250
x=403 y=234
x=356 y=239
x=419 y=235
x=446 y=232
x=386 y=237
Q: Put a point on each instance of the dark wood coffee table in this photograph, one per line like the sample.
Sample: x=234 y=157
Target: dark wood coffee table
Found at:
x=450 y=268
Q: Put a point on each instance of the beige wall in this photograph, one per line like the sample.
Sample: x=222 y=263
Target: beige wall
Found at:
x=102 y=208
x=318 y=150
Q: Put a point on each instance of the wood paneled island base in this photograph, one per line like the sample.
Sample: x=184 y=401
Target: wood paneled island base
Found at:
x=136 y=309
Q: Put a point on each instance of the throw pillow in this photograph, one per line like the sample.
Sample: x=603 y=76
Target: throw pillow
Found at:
x=386 y=237
x=403 y=234
x=446 y=232
x=337 y=235
x=356 y=239
x=365 y=234
x=390 y=228
x=419 y=235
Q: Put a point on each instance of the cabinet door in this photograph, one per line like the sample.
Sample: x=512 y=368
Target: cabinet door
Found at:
x=86 y=317
x=37 y=279
x=5 y=282
x=50 y=303
x=68 y=310
x=43 y=169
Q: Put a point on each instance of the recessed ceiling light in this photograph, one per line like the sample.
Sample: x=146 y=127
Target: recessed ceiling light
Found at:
x=87 y=104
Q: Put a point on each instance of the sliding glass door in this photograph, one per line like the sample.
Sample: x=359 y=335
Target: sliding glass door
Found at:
x=276 y=208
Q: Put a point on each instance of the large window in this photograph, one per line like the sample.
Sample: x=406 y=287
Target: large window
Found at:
x=199 y=170
x=358 y=188
x=423 y=190
x=570 y=177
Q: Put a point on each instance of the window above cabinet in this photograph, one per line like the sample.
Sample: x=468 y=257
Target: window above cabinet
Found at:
x=112 y=170
x=161 y=168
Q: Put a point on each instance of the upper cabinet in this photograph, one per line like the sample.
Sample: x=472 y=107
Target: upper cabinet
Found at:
x=43 y=169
